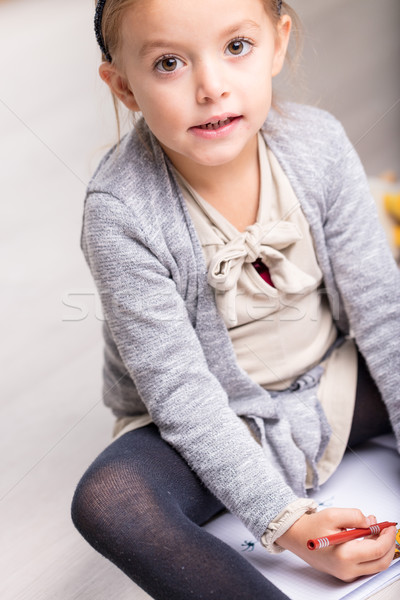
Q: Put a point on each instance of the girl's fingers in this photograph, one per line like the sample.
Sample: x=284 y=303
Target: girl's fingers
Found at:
x=363 y=557
x=375 y=566
x=370 y=553
x=348 y=518
x=378 y=547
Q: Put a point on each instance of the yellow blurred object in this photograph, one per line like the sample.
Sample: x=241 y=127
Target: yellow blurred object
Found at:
x=391 y=203
x=385 y=190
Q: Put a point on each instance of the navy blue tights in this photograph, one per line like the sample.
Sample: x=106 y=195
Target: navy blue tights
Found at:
x=141 y=506
x=370 y=416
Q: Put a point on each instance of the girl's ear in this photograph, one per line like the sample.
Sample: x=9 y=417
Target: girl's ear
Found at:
x=281 y=43
x=118 y=84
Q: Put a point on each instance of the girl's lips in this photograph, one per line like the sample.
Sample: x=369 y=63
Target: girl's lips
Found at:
x=216 y=127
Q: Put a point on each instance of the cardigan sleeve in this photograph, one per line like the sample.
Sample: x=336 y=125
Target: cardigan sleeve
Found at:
x=160 y=349
x=366 y=274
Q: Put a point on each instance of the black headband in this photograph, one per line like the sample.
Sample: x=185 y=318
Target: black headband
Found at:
x=98 y=17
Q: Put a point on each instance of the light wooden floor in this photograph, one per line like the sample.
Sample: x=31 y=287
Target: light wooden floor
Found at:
x=55 y=120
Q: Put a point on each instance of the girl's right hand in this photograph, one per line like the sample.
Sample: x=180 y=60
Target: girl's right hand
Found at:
x=349 y=560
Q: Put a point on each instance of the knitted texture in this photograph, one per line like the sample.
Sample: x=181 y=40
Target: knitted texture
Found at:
x=167 y=349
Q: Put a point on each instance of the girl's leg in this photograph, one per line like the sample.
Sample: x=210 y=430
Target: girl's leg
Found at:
x=141 y=506
x=370 y=415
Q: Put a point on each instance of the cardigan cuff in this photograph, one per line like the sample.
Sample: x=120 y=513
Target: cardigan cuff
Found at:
x=284 y=520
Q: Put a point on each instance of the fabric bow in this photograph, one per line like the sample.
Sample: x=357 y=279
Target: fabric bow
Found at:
x=259 y=242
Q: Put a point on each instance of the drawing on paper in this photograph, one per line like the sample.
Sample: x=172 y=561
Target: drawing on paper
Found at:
x=248 y=546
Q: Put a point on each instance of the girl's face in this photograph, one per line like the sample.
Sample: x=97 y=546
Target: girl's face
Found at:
x=200 y=73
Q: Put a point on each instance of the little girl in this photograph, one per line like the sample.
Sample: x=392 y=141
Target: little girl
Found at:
x=250 y=300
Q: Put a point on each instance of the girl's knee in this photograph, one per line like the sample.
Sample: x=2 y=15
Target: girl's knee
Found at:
x=109 y=494
x=83 y=504
x=94 y=497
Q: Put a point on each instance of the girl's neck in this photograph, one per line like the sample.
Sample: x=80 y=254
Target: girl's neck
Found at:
x=233 y=188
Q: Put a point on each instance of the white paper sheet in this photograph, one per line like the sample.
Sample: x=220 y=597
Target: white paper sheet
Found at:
x=368 y=479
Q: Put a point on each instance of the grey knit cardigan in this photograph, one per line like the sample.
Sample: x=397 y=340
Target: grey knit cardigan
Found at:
x=167 y=350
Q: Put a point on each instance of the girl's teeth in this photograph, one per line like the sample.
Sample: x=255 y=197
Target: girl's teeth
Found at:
x=216 y=125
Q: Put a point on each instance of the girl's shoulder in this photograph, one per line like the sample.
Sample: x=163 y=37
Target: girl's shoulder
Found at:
x=305 y=138
x=134 y=189
x=302 y=117
x=137 y=161
x=303 y=125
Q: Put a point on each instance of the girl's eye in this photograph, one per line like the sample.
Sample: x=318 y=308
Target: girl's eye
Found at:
x=239 y=47
x=168 y=64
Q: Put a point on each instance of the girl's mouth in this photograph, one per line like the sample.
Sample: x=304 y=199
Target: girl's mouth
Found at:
x=217 y=127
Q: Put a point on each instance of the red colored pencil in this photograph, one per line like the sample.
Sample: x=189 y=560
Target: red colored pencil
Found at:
x=346 y=536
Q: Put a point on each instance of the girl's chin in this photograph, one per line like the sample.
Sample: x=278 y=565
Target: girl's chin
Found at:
x=206 y=154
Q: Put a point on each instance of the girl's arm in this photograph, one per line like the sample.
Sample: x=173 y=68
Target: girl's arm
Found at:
x=368 y=281
x=362 y=281
x=161 y=351
x=366 y=274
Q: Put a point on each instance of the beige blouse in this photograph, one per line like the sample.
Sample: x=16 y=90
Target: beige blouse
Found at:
x=280 y=332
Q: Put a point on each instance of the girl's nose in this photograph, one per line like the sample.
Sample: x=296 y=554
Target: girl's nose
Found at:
x=211 y=84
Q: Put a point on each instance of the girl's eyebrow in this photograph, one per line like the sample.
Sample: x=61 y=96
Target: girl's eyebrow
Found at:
x=149 y=46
